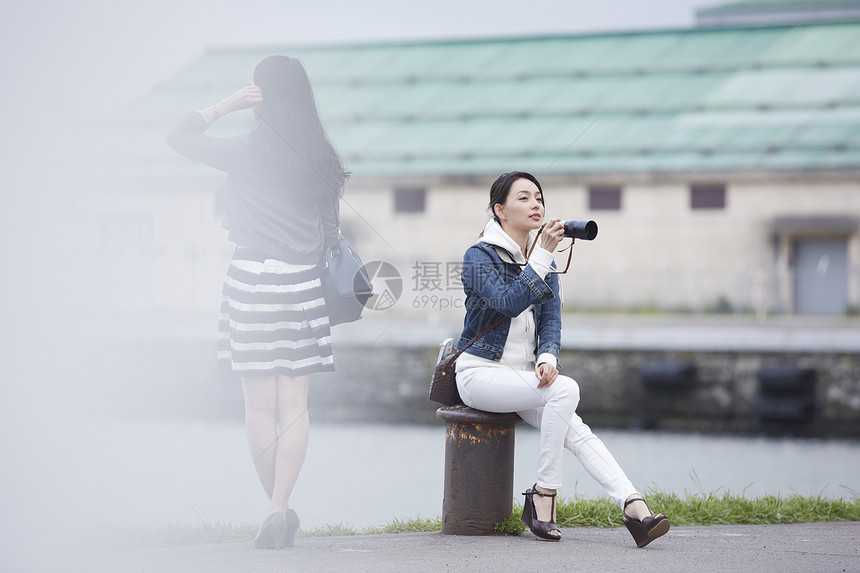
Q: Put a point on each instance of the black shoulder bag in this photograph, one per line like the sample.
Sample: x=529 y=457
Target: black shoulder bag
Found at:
x=345 y=283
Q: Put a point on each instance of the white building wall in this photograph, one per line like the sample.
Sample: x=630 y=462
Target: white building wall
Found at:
x=655 y=253
x=166 y=251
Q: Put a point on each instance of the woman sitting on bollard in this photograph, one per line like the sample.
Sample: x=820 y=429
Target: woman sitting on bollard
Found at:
x=513 y=368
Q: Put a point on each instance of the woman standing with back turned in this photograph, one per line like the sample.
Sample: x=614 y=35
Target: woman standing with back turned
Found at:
x=514 y=367
x=284 y=179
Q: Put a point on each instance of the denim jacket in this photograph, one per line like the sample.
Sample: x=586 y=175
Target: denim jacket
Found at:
x=494 y=287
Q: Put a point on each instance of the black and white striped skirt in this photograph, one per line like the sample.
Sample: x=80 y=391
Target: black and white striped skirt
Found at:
x=273 y=318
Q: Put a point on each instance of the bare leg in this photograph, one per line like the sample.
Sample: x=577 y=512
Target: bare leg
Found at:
x=292 y=446
x=261 y=402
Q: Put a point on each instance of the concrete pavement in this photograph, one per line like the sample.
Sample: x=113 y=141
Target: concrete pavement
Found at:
x=804 y=547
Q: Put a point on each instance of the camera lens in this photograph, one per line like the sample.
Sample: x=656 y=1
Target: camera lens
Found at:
x=586 y=230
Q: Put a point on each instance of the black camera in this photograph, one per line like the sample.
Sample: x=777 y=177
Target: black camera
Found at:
x=586 y=230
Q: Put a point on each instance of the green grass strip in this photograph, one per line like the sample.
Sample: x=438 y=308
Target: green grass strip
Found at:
x=726 y=509
x=712 y=509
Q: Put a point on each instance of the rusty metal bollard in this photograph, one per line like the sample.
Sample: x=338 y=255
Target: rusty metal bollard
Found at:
x=479 y=469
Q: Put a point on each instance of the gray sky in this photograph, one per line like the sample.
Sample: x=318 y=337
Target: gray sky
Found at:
x=85 y=58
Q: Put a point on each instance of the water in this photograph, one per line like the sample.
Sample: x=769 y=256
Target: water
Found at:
x=363 y=475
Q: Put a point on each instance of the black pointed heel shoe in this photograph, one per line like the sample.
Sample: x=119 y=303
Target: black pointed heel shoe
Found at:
x=292 y=526
x=647 y=529
x=544 y=529
x=273 y=533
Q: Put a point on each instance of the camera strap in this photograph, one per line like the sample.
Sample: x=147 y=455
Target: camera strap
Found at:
x=534 y=244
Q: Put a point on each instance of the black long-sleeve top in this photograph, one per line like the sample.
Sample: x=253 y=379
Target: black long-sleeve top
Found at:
x=275 y=210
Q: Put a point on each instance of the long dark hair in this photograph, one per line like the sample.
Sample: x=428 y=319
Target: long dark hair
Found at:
x=290 y=130
x=501 y=188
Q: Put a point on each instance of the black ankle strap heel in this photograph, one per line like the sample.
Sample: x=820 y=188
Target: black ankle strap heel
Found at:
x=544 y=529
x=647 y=529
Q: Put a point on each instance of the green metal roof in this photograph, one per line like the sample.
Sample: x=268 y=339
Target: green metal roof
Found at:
x=735 y=99
x=768 y=5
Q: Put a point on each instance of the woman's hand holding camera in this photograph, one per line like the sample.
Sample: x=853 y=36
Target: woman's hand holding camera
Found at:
x=553 y=233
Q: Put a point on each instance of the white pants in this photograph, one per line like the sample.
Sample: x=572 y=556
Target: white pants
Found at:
x=552 y=410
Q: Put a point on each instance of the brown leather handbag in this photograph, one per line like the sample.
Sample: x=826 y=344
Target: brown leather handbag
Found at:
x=443 y=385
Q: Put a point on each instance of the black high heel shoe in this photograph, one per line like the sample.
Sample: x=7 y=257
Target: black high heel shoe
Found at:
x=544 y=529
x=273 y=533
x=292 y=526
x=647 y=529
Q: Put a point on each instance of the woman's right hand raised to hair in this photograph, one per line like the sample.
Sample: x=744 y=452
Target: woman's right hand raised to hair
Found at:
x=552 y=235
x=243 y=98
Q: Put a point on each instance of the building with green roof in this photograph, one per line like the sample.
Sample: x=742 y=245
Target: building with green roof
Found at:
x=722 y=163
x=758 y=12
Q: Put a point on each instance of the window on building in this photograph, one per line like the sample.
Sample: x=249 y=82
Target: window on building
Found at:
x=708 y=196
x=604 y=198
x=410 y=200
